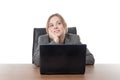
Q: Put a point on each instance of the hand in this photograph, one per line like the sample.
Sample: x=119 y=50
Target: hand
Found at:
x=53 y=36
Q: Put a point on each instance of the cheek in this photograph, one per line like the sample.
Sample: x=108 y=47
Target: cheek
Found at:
x=50 y=29
x=62 y=30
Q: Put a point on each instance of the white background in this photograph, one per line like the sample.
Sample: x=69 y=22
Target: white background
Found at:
x=97 y=23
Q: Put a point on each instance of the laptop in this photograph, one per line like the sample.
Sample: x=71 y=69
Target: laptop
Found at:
x=62 y=59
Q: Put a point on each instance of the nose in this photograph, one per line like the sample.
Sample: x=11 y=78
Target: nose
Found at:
x=55 y=27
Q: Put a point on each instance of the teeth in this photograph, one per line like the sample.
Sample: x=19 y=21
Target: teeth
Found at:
x=56 y=31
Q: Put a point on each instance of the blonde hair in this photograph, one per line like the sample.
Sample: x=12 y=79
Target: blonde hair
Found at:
x=62 y=20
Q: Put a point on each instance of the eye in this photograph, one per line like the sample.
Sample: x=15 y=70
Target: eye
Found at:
x=51 y=25
x=59 y=23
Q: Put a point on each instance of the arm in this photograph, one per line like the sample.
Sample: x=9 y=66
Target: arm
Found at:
x=41 y=40
x=36 y=55
x=89 y=56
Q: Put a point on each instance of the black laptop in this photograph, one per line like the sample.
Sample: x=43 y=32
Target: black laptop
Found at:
x=62 y=59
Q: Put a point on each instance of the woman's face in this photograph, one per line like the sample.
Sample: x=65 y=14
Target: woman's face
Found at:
x=56 y=26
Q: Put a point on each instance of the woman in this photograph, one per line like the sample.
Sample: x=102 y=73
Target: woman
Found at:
x=56 y=29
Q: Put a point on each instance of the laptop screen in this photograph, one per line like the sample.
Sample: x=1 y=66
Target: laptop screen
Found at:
x=62 y=59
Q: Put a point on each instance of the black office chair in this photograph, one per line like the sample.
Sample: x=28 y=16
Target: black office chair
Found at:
x=41 y=31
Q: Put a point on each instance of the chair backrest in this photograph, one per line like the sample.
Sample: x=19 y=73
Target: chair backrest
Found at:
x=41 y=31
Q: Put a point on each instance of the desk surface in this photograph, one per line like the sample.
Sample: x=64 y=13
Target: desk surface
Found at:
x=31 y=72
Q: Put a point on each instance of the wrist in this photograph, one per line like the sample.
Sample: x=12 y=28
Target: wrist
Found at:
x=56 y=40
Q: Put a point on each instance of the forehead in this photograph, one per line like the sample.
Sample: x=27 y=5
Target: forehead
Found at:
x=54 y=19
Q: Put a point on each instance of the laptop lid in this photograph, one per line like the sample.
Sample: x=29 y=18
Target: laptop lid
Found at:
x=62 y=59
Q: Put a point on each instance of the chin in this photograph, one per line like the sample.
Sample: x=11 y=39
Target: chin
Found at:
x=58 y=35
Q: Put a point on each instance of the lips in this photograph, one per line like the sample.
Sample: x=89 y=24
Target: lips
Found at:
x=56 y=31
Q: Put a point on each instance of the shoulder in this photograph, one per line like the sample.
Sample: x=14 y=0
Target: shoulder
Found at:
x=72 y=39
x=43 y=39
x=43 y=36
x=70 y=35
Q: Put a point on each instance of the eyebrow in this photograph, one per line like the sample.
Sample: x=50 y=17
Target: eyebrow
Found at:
x=50 y=24
x=59 y=21
x=56 y=21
